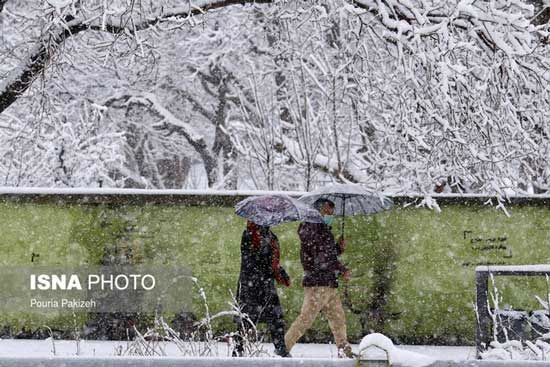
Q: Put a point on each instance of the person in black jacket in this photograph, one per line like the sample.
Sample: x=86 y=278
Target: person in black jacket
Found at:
x=319 y=256
x=256 y=293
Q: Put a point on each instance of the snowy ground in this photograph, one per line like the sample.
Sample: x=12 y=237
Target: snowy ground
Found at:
x=89 y=348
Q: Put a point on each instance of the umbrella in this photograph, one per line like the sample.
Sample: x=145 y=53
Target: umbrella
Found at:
x=270 y=210
x=349 y=200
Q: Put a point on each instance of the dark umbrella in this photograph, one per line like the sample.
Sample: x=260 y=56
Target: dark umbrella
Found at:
x=270 y=210
x=349 y=200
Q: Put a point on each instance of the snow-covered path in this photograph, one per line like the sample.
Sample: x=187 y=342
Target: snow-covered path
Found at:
x=91 y=348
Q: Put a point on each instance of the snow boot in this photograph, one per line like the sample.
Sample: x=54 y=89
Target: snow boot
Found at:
x=346 y=352
x=282 y=353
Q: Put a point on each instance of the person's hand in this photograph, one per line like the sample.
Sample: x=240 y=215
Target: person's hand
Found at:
x=284 y=278
x=347 y=275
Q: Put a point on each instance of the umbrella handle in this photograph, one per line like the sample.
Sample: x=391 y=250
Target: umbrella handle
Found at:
x=342 y=226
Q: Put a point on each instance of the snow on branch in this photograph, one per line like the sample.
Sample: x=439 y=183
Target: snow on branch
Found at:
x=170 y=123
x=168 y=120
x=499 y=25
x=460 y=104
x=20 y=78
x=118 y=24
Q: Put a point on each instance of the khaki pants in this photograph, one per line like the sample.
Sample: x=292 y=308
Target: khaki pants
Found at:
x=319 y=299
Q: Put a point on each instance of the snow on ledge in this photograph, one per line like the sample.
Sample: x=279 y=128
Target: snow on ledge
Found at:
x=514 y=268
x=396 y=356
x=13 y=190
x=152 y=192
x=467 y=196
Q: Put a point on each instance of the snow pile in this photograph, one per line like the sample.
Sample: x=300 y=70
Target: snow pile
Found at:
x=540 y=321
x=394 y=354
x=517 y=350
x=429 y=203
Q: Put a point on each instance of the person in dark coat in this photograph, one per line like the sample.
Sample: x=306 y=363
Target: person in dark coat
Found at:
x=256 y=293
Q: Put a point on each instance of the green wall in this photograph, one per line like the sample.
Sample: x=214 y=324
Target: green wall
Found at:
x=413 y=269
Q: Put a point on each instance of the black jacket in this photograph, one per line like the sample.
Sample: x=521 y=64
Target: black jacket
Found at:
x=319 y=255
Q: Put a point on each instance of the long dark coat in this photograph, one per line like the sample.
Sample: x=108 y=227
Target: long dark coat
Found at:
x=256 y=293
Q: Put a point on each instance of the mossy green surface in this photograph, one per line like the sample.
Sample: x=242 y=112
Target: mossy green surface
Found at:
x=424 y=259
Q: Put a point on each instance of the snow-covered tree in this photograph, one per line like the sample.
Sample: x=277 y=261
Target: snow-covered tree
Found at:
x=393 y=94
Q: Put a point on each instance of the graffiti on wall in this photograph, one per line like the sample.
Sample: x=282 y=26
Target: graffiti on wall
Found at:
x=487 y=250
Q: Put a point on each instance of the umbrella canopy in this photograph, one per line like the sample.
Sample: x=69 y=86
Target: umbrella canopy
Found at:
x=270 y=210
x=350 y=199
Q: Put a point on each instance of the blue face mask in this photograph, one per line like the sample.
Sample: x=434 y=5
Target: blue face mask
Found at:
x=328 y=219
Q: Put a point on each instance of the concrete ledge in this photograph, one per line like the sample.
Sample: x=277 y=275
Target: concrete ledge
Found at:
x=237 y=362
x=63 y=196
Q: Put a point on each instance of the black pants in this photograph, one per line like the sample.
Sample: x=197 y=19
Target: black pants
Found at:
x=276 y=327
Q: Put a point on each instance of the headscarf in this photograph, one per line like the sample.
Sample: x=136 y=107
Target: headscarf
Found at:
x=254 y=230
